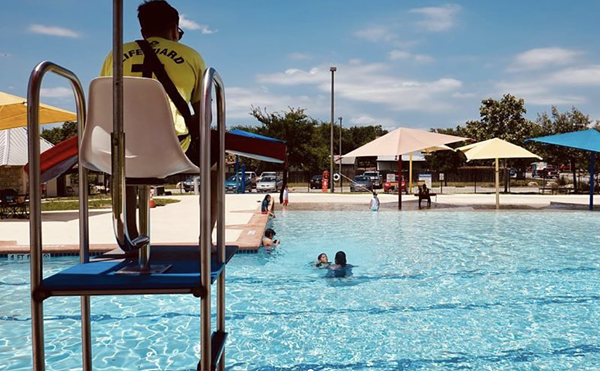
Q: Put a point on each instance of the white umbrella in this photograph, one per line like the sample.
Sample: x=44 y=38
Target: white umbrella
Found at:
x=402 y=141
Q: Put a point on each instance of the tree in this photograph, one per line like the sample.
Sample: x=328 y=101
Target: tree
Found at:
x=503 y=119
x=559 y=123
x=59 y=134
x=447 y=161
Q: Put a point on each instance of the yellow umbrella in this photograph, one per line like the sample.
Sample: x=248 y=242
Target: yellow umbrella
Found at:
x=13 y=112
x=495 y=149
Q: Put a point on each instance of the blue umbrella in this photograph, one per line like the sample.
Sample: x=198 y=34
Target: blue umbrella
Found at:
x=587 y=140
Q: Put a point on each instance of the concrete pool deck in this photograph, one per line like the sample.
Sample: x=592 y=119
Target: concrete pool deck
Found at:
x=245 y=224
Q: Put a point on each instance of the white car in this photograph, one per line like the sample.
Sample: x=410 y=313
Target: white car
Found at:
x=269 y=184
x=267 y=174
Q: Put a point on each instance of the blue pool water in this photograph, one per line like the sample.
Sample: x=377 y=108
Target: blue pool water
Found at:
x=431 y=291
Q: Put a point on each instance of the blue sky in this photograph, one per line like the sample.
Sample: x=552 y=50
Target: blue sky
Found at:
x=419 y=64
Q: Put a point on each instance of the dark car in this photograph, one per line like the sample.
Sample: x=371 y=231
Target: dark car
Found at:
x=188 y=184
x=361 y=183
x=234 y=184
x=316 y=182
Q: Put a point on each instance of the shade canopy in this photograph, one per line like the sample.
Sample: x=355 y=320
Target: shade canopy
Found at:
x=13 y=112
x=587 y=140
x=495 y=148
x=441 y=147
x=401 y=141
x=13 y=147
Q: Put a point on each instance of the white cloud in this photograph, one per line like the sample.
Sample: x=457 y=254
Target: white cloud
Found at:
x=581 y=76
x=187 y=24
x=240 y=101
x=377 y=33
x=59 y=92
x=372 y=83
x=366 y=120
x=299 y=56
x=384 y=34
x=422 y=58
x=539 y=58
x=399 y=55
x=463 y=95
x=404 y=55
x=438 y=19
x=538 y=92
x=54 y=31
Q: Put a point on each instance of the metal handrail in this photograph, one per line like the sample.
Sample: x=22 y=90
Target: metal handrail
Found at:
x=211 y=77
x=35 y=207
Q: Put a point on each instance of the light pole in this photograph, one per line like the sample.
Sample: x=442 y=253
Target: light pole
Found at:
x=332 y=69
x=340 y=158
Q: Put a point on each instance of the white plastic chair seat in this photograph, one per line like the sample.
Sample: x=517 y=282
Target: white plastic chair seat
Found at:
x=152 y=149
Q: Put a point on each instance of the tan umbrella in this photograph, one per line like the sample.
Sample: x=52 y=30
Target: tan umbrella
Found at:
x=13 y=112
x=494 y=149
x=402 y=141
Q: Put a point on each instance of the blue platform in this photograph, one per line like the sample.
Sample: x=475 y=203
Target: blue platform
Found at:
x=99 y=277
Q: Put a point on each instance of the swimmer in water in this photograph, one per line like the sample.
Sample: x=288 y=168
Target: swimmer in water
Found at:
x=322 y=261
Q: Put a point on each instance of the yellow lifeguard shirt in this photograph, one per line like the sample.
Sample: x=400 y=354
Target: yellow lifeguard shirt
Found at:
x=183 y=64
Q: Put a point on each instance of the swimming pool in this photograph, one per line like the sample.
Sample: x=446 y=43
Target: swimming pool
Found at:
x=432 y=290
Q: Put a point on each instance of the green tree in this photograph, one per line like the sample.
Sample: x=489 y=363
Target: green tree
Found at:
x=447 y=162
x=504 y=119
x=60 y=133
x=565 y=122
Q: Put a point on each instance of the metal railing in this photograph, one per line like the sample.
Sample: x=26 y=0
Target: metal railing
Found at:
x=35 y=206
x=210 y=78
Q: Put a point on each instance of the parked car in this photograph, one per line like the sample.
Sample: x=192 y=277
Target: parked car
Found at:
x=316 y=182
x=375 y=178
x=548 y=172
x=266 y=174
x=361 y=183
x=269 y=184
x=390 y=187
x=188 y=184
x=250 y=178
x=234 y=183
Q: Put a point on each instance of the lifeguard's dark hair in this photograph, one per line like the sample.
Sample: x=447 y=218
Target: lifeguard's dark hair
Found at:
x=157 y=16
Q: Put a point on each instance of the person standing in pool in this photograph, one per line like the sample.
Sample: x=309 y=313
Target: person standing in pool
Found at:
x=322 y=261
x=374 y=202
x=341 y=268
x=268 y=242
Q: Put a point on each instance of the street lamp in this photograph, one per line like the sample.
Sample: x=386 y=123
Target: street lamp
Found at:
x=332 y=69
x=340 y=158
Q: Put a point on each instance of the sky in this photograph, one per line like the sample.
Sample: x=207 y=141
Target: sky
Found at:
x=419 y=64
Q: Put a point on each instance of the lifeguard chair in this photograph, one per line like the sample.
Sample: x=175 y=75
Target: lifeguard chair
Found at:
x=152 y=152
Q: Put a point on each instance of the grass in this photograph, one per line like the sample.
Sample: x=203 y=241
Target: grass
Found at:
x=65 y=203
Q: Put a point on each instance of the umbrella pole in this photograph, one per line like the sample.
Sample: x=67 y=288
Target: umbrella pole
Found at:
x=400 y=182
x=410 y=172
x=592 y=162
x=497 y=186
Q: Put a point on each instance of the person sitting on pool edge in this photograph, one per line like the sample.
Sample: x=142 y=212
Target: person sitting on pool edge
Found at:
x=322 y=261
x=341 y=268
x=264 y=207
x=268 y=240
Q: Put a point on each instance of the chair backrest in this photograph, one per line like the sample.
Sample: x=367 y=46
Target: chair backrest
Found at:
x=152 y=149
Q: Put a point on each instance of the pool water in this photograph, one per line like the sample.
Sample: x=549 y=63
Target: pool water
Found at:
x=431 y=290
